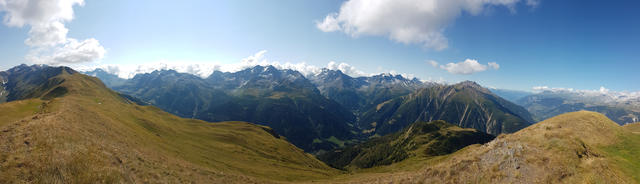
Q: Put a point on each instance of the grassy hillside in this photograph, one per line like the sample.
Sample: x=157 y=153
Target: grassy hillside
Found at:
x=633 y=127
x=78 y=131
x=578 y=147
x=421 y=139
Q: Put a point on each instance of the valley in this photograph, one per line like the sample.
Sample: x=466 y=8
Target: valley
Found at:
x=326 y=111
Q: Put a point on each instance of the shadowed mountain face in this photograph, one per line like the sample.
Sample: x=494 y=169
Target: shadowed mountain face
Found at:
x=420 y=139
x=107 y=78
x=386 y=103
x=328 y=110
x=465 y=104
x=24 y=82
x=89 y=134
x=362 y=93
x=281 y=99
x=548 y=104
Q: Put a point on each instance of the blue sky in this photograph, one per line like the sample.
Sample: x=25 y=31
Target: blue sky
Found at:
x=582 y=44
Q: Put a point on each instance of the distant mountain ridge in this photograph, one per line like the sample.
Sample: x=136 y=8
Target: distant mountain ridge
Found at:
x=511 y=95
x=108 y=78
x=327 y=110
x=622 y=109
x=281 y=99
x=465 y=104
x=361 y=93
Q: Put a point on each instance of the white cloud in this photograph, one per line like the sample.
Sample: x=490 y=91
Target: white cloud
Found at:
x=330 y=24
x=406 y=21
x=433 y=63
x=48 y=35
x=466 y=67
x=494 y=65
x=34 y=12
x=205 y=68
x=346 y=69
x=533 y=3
x=71 y=52
x=602 y=94
x=439 y=80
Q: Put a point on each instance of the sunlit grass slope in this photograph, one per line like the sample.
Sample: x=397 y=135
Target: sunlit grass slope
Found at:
x=419 y=140
x=633 y=127
x=79 y=131
x=577 y=147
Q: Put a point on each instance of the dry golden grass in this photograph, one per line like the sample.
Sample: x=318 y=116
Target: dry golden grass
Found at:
x=10 y=112
x=633 y=127
x=579 y=147
x=91 y=135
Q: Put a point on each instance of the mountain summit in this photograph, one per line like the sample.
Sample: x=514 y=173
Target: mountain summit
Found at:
x=465 y=104
x=361 y=93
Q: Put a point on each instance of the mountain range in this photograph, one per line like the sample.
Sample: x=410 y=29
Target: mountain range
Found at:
x=282 y=99
x=361 y=93
x=323 y=111
x=61 y=126
x=465 y=104
x=621 y=109
x=511 y=95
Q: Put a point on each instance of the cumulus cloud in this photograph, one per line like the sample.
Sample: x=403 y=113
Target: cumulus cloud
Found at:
x=494 y=65
x=601 y=90
x=406 y=21
x=205 y=68
x=602 y=93
x=466 y=67
x=346 y=69
x=533 y=3
x=47 y=35
x=439 y=80
x=73 y=51
x=433 y=63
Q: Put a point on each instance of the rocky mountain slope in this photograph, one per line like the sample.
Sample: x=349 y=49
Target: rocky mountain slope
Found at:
x=361 y=93
x=465 y=104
